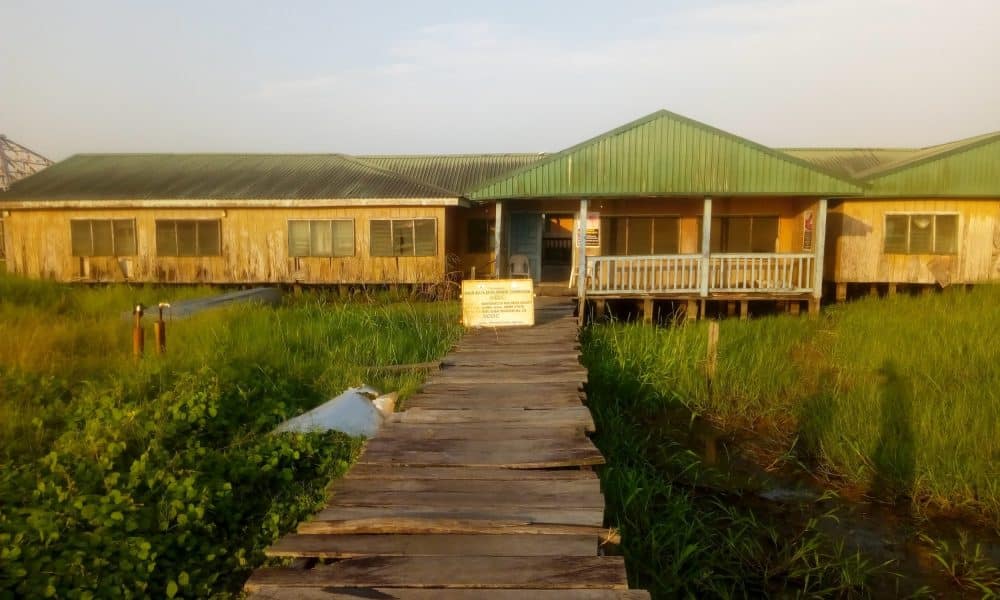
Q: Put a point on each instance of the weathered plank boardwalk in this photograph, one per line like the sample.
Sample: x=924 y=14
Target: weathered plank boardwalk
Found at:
x=481 y=488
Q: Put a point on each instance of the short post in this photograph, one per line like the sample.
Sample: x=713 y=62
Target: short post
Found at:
x=712 y=357
x=794 y=307
x=600 y=309
x=160 y=330
x=691 y=314
x=841 y=295
x=892 y=290
x=138 y=336
x=744 y=310
x=647 y=310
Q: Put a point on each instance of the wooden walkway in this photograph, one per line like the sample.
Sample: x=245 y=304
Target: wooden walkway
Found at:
x=482 y=488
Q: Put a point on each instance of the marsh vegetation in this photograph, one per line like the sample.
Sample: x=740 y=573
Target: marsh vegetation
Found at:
x=124 y=478
x=854 y=454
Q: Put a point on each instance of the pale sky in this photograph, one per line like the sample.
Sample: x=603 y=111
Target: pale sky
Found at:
x=463 y=76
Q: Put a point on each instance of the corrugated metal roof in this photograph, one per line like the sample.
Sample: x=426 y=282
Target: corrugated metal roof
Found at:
x=663 y=154
x=459 y=172
x=969 y=168
x=217 y=176
x=848 y=162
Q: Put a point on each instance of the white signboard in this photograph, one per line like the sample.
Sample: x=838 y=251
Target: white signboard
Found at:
x=498 y=302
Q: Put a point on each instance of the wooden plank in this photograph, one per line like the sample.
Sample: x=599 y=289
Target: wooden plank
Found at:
x=383 y=472
x=573 y=416
x=483 y=514
x=466 y=486
x=416 y=432
x=511 y=454
x=490 y=398
x=471 y=572
x=300 y=593
x=508 y=496
x=446 y=525
x=351 y=546
x=485 y=378
x=506 y=359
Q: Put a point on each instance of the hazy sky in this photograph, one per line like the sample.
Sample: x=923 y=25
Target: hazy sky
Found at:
x=436 y=76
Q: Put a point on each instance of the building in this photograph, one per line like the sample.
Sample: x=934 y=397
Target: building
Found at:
x=673 y=210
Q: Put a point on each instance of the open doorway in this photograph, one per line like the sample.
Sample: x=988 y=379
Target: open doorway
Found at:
x=557 y=247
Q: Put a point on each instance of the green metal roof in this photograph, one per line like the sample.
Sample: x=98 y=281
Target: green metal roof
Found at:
x=966 y=168
x=458 y=172
x=218 y=177
x=666 y=154
x=848 y=162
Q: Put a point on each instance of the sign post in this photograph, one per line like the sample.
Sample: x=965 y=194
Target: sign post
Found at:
x=498 y=302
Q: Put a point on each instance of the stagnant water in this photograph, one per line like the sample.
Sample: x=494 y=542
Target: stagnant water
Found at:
x=789 y=495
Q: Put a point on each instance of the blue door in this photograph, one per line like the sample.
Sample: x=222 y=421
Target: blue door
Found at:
x=526 y=239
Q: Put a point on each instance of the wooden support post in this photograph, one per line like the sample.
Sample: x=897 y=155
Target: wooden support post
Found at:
x=814 y=307
x=892 y=290
x=296 y=289
x=795 y=307
x=744 y=310
x=873 y=290
x=581 y=258
x=730 y=309
x=712 y=360
x=706 y=246
x=343 y=291
x=691 y=314
x=841 y=292
x=647 y=310
x=926 y=290
x=600 y=308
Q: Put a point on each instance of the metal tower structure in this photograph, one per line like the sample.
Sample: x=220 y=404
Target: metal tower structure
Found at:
x=17 y=162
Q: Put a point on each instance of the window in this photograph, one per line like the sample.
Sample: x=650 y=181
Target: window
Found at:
x=404 y=237
x=102 y=237
x=640 y=235
x=328 y=237
x=482 y=235
x=921 y=234
x=189 y=238
x=743 y=234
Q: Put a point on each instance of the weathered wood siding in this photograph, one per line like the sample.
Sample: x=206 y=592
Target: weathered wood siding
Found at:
x=856 y=241
x=254 y=247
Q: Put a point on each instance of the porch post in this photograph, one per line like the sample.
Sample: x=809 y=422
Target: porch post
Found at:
x=497 y=239
x=820 y=240
x=581 y=259
x=706 y=245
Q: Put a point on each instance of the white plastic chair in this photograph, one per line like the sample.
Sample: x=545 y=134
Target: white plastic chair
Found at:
x=520 y=266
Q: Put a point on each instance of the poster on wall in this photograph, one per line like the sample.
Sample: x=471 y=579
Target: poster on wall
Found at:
x=593 y=230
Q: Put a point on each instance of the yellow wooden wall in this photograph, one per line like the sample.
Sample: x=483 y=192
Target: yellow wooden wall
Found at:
x=856 y=238
x=254 y=247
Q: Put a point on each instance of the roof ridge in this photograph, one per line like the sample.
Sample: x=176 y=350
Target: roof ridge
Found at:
x=456 y=155
x=399 y=175
x=660 y=114
x=931 y=153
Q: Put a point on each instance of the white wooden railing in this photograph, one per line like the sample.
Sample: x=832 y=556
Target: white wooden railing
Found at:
x=668 y=273
x=682 y=273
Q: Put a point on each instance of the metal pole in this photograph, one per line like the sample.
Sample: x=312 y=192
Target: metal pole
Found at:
x=138 y=335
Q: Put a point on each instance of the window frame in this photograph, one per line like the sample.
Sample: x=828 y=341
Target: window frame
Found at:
x=198 y=223
x=396 y=252
x=333 y=239
x=652 y=231
x=723 y=232
x=115 y=244
x=910 y=215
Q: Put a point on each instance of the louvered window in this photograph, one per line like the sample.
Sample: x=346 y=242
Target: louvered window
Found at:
x=188 y=237
x=921 y=234
x=325 y=237
x=403 y=237
x=102 y=237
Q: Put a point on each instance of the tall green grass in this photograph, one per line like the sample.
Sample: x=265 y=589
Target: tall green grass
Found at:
x=124 y=478
x=898 y=397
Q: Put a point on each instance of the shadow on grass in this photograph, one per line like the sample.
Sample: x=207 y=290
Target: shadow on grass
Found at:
x=893 y=458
